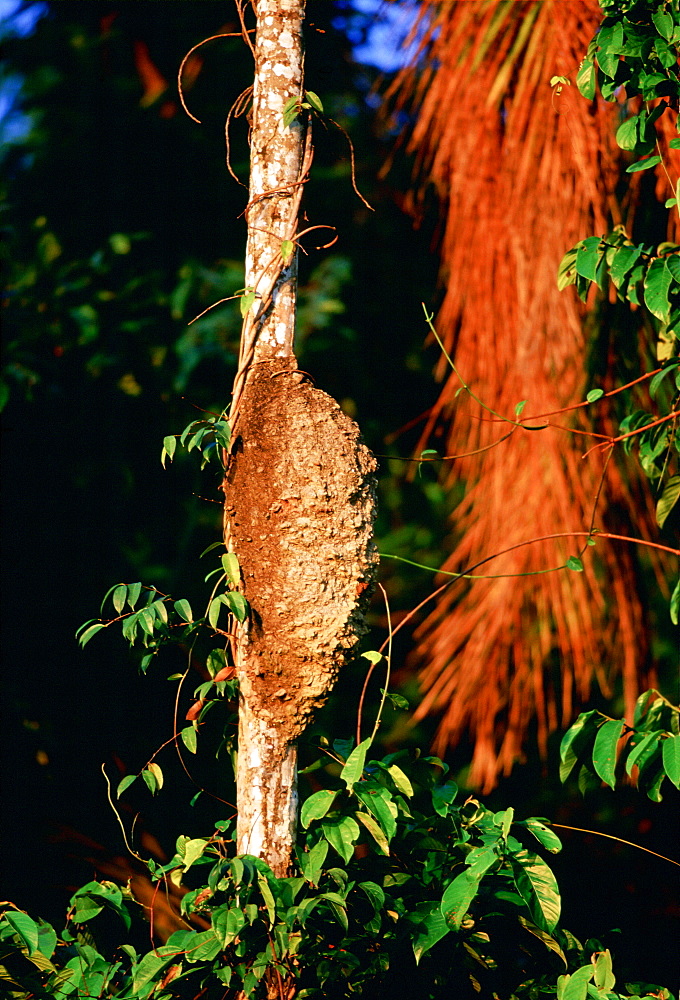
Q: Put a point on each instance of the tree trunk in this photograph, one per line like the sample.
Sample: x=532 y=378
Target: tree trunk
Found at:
x=299 y=489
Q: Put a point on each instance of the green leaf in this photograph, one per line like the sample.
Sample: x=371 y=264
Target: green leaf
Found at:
x=379 y=802
x=268 y=898
x=183 y=609
x=520 y=406
x=159 y=610
x=646 y=164
x=150 y=780
x=214 y=611
x=237 y=604
x=595 y=394
x=373 y=656
x=312 y=861
x=189 y=737
x=543 y=834
x=125 y=783
x=342 y=834
x=671 y=367
x=314 y=101
x=25 y=927
x=222 y=431
x=671 y=758
x=604 y=977
x=90 y=632
x=586 y=78
x=624 y=260
x=575 y=564
x=575 y=987
x=443 y=795
x=354 y=767
x=119 y=597
x=316 y=806
x=147 y=619
x=663 y=22
x=193 y=850
x=215 y=545
x=604 y=750
x=457 y=898
x=169 y=447
x=429 y=926
x=627 y=134
x=566 y=272
x=657 y=284
x=675 y=604
x=375 y=831
x=290 y=110
x=537 y=886
x=400 y=780
x=667 y=500
x=133 y=592
x=645 y=747
x=588 y=257
x=231 y=568
x=287 y=249
x=246 y=302
x=148 y=970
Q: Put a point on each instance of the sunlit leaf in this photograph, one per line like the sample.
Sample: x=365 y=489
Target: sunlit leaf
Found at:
x=604 y=750
x=237 y=604
x=189 y=738
x=671 y=758
x=316 y=806
x=314 y=101
x=657 y=284
x=457 y=898
x=119 y=597
x=183 y=609
x=538 y=887
x=125 y=783
x=354 y=767
x=667 y=500
x=428 y=926
x=375 y=831
x=342 y=834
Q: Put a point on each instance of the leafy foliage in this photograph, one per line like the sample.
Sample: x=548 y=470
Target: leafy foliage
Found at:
x=597 y=747
x=396 y=882
x=635 y=51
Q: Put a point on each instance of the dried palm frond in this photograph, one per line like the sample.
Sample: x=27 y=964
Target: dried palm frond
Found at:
x=522 y=173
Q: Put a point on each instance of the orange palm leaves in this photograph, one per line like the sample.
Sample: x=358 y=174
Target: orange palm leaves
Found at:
x=523 y=170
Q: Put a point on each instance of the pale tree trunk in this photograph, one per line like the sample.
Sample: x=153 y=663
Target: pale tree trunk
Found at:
x=299 y=490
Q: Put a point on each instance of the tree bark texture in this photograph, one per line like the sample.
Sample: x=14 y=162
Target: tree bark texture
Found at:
x=299 y=489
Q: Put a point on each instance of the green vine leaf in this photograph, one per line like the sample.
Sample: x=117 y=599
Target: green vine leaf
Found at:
x=183 y=609
x=189 y=738
x=375 y=831
x=675 y=604
x=604 y=750
x=316 y=806
x=537 y=886
x=667 y=500
x=125 y=783
x=671 y=758
x=354 y=767
x=457 y=898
